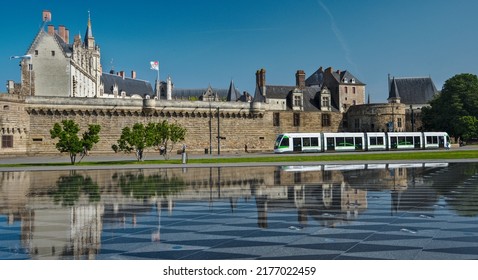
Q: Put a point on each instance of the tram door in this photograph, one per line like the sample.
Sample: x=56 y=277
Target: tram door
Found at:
x=297 y=143
x=441 y=142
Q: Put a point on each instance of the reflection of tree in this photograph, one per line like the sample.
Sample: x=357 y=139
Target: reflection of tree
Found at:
x=69 y=189
x=460 y=196
x=464 y=202
x=142 y=187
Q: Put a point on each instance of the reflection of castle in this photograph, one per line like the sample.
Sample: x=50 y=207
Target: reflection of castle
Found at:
x=327 y=197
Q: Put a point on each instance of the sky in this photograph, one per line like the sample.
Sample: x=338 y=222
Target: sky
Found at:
x=202 y=43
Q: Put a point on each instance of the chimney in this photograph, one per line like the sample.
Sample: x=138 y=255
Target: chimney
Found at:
x=51 y=30
x=61 y=32
x=329 y=70
x=300 y=79
x=133 y=74
x=121 y=73
x=67 y=36
x=261 y=77
x=46 y=16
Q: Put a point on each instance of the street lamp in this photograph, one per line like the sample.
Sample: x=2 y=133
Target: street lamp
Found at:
x=412 y=118
x=210 y=128
x=218 y=134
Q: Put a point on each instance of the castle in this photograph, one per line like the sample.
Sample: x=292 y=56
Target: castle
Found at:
x=216 y=119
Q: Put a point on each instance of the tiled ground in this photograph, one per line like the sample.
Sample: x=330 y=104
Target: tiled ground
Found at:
x=404 y=226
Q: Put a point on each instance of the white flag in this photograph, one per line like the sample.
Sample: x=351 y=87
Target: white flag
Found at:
x=155 y=65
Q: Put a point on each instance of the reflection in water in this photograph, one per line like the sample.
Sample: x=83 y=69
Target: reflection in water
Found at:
x=70 y=187
x=62 y=215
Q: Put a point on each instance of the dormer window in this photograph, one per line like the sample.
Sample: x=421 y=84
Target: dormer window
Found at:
x=353 y=81
x=344 y=80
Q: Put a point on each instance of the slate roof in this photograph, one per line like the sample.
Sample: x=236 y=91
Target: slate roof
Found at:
x=130 y=86
x=181 y=93
x=233 y=94
x=413 y=90
x=317 y=78
x=309 y=93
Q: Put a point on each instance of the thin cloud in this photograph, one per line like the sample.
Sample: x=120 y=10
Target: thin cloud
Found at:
x=338 y=35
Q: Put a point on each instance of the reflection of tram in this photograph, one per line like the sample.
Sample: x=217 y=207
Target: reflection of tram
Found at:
x=358 y=141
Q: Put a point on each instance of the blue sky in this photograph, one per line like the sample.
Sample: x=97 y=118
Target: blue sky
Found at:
x=213 y=42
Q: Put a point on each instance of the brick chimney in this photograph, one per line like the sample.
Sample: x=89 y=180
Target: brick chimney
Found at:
x=61 y=32
x=261 y=77
x=121 y=74
x=67 y=36
x=51 y=30
x=300 y=79
x=133 y=74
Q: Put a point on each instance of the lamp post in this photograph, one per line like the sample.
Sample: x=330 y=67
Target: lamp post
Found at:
x=210 y=128
x=218 y=134
x=412 y=118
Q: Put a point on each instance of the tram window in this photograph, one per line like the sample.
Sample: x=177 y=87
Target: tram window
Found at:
x=393 y=142
x=401 y=140
x=373 y=140
x=349 y=141
x=314 y=142
x=409 y=140
x=340 y=141
x=379 y=140
x=417 y=140
x=358 y=143
x=285 y=142
x=306 y=142
x=330 y=143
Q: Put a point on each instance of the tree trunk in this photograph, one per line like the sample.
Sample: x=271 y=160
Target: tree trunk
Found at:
x=72 y=158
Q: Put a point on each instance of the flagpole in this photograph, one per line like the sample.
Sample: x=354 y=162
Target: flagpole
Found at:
x=159 y=82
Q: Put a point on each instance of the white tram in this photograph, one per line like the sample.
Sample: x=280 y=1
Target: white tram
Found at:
x=358 y=141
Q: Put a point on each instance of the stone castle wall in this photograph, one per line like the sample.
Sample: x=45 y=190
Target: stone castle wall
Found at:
x=239 y=124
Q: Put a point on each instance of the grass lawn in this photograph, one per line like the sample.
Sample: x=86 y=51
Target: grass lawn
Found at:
x=320 y=157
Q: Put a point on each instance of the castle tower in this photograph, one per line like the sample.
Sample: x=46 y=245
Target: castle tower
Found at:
x=89 y=40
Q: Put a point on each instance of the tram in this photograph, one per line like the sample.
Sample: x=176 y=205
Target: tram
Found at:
x=359 y=141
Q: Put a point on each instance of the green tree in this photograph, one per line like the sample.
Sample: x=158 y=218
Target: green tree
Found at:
x=69 y=141
x=468 y=127
x=157 y=135
x=163 y=133
x=458 y=98
x=176 y=133
x=135 y=139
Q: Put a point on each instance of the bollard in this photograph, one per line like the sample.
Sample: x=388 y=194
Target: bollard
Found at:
x=184 y=158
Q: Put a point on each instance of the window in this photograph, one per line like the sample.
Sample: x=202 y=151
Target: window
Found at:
x=325 y=120
x=296 y=119
x=36 y=52
x=52 y=53
x=276 y=119
x=399 y=122
x=325 y=101
x=306 y=142
x=353 y=90
x=314 y=141
x=6 y=107
x=346 y=90
x=7 y=141
x=297 y=101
